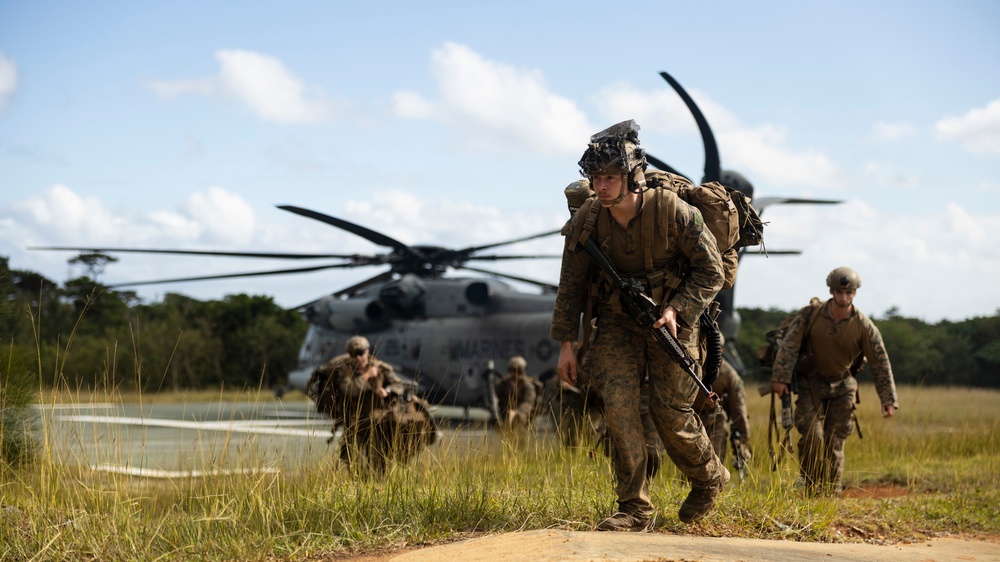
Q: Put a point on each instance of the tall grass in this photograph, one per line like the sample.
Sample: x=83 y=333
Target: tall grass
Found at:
x=930 y=469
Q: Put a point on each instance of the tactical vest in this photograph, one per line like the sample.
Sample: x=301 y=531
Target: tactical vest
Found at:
x=658 y=206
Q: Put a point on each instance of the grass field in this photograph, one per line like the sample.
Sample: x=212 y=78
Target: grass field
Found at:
x=928 y=471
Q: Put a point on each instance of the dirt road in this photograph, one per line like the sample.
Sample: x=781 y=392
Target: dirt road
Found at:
x=557 y=545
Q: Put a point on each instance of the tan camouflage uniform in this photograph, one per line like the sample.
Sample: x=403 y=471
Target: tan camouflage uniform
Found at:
x=359 y=402
x=624 y=352
x=733 y=415
x=824 y=410
x=517 y=394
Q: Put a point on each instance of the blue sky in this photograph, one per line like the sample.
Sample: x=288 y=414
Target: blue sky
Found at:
x=182 y=125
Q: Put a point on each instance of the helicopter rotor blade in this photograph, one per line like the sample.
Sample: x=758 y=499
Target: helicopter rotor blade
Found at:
x=516 y=240
x=761 y=203
x=758 y=251
x=513 y=277
x=366 y=233
x=664 y=166
x=235 y=275
x=498 y=258
x=384 y=276
x=713 y=169
x=200 y=253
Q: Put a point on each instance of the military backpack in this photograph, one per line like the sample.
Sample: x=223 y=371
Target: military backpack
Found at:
x=728 y=215
x=768 y=351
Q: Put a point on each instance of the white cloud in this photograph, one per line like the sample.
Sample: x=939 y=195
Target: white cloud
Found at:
x=60 y=216
x=950 y=253
x=412 y=220
x=59 y=213
x=761 y=153
x=978 y=130
x=492 y=102
x=260 y=82
x=8 y=79
x=661 y=110
x=227 y=217
x=882 y=131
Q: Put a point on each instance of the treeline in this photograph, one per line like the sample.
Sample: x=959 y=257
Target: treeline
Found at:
x=965 y=353
x=87 y=335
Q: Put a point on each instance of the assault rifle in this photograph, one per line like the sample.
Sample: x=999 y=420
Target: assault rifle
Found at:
x=738 y=459
x=642 y=308
x=787 y=420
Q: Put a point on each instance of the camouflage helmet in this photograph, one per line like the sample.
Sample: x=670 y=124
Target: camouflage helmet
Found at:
x=357 y=343
x=843 y=278
x=616 y=149
x=517 y=364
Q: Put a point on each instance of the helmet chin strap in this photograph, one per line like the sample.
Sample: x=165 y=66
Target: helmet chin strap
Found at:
x=621 y=194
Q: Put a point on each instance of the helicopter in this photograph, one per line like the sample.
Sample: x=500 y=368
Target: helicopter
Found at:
x=441 y=334
x=444 y=333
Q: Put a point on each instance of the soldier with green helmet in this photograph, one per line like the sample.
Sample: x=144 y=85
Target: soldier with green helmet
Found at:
x=822 y=351
x=651 y=235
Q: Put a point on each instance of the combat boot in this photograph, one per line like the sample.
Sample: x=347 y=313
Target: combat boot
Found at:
x=622 y=521
x=701 y=499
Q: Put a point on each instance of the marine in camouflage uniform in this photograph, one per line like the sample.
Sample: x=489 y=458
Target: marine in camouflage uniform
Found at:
x=823 y=350
x=688 y=272
x=733 y=415
x=515 y=394
x=356 y=386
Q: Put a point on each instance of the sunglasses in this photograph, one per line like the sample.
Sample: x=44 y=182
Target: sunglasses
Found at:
x=358 y=352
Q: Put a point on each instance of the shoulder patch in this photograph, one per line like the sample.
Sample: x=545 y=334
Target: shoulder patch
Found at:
x=696 y=217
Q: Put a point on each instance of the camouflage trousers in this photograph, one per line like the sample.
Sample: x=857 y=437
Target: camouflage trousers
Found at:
x=823 y=433
x=622 y=357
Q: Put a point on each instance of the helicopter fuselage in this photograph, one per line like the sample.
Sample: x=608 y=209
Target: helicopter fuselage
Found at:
x=444 y=334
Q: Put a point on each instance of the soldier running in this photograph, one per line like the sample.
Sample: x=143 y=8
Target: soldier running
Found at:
x=688 y=272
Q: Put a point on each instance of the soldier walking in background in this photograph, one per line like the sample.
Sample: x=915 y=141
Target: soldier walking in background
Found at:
x=364 y=394
x=686 y=273
x=822 y=351
x=516 y=395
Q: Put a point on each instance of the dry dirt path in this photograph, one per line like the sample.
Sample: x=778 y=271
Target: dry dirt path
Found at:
x=555 y=545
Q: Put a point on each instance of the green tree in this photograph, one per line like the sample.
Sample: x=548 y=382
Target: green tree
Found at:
x=18 y=381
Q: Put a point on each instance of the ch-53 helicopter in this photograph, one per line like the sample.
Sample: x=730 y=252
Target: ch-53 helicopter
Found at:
x=445 y=333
